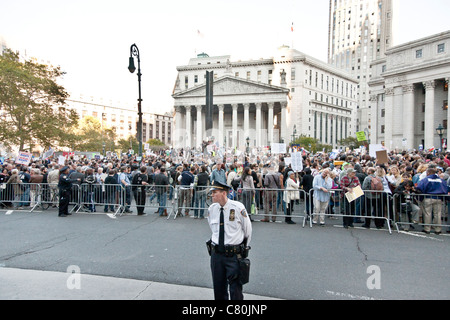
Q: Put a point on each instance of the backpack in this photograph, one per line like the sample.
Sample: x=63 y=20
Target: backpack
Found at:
x=376 y=184
x=236 y=182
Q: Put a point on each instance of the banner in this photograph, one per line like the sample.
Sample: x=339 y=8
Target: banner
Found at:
x=278 y=147
x=48 y=154
x=297 y=161
x=361 y=136
x=24 y=158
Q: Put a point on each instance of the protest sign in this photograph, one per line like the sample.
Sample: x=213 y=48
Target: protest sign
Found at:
x=278 y=148
x=361 y=136
x=24 y=158
x=382 y=156
x=297 y=161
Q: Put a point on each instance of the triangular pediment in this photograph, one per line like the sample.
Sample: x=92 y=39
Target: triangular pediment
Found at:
x=230 y=85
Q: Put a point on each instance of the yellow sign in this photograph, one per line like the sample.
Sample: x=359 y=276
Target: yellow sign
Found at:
x=361 y=136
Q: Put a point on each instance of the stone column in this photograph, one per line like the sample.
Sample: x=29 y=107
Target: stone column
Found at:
x=448 y=113
x=199 y=127
x=246 y=120
x=429 y=114
x=374 y=119
x=270 y=123
x=258 y=124
x=221 y=126
x=177 y=137
x=388 y=121
x=188 y=126
x=283 y=124
x=235 y=122
x=408 y=116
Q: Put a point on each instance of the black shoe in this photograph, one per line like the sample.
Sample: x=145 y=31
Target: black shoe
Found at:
x=68 y=214
x=290 y=222
x=365 y=226
x=345 y=227
x=437 y=233
x=62 y=215
x=427 y=232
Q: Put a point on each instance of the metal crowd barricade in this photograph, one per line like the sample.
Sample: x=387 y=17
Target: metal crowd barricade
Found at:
x=15 y=195
x=273 y=198
x=187 y=198
x=90 y=197
x=373 y=205
x=152 y=196
x=426 y=210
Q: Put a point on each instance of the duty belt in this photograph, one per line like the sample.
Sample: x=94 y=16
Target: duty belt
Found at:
x=229 y=250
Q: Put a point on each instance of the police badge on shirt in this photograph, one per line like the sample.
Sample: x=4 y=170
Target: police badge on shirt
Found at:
x=232 y=215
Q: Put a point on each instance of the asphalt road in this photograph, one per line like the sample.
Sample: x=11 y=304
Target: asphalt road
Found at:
x=288 y=261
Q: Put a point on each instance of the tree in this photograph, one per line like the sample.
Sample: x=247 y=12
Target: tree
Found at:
x=90 y=136
x=351 y=142
x=32 y=104
x=130 y=143
x=311 y=144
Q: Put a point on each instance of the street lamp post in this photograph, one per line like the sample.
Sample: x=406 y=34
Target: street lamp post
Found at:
x=248 y=145
x=134 y=51
x=294 y=134
x=440 y=131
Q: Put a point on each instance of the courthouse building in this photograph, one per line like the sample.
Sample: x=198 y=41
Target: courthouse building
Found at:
x=409 y=94
x=264 y=101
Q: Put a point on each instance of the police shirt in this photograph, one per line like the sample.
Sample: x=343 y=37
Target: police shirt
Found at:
x=65 y=183
x=237 y=223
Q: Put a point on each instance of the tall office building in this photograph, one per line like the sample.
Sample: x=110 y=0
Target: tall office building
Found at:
x=360 y=31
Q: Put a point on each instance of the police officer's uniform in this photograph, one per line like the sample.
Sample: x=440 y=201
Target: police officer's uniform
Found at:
x=237 y=230
x=65 y=188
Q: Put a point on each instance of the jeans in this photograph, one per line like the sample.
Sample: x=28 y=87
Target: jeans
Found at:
x=200 y=203
x=162 y=200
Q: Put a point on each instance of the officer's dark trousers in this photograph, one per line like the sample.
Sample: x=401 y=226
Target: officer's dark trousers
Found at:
x=225 y=272
x=64 y=199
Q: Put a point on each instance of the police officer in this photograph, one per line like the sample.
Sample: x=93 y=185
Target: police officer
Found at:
x=231 y=233
x=65 y=188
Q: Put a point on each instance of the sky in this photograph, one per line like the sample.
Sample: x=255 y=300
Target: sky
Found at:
x=91 y=39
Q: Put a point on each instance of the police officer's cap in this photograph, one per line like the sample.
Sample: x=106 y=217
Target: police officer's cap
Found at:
x=220 y=186
x=63 y=169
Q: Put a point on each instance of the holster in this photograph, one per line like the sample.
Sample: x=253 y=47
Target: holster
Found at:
x=244 y=270
x=209 y=246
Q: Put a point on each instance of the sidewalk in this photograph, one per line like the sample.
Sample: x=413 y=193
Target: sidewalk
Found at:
x=22 y=284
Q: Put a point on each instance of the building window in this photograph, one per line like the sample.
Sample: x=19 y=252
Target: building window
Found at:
x=248 y=75
x=418 y=53
x=383 y=113
x=292 y=74
x=259 y=75
x=236 y=74
x=441 y=47
x=445 y=105
x=195 y=79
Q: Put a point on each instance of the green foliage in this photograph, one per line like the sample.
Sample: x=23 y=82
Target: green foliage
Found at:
x=312 y=145
x=130 y=143
x=155 y=142
x=32 y=104
x=90 y=136
x=351 y=142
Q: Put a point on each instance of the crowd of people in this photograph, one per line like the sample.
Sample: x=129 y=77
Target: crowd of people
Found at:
x=412 y=184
